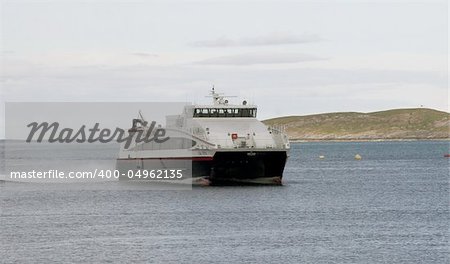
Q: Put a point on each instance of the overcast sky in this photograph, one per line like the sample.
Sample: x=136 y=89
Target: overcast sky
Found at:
x=290 y=58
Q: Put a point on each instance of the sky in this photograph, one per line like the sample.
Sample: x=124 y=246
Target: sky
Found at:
x=288 y=57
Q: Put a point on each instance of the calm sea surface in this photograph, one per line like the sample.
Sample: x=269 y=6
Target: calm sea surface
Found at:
x=390 y=207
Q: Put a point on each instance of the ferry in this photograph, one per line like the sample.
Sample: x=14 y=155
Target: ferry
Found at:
x=218 y=144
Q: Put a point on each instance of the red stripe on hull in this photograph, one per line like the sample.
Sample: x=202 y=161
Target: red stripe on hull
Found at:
x=173 y=158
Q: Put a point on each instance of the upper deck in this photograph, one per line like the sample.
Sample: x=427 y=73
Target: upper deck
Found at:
x=221 y=108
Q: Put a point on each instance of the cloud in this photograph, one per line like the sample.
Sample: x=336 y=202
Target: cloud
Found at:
x=259 y=58
x=145 y=55
x=281 y=89
x=270 y=39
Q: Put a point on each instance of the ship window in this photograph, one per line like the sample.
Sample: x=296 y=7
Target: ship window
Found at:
x=213 y=112
x=201 y=112
x=225 y=112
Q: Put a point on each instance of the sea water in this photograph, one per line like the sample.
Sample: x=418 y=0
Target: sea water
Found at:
x=392 y=206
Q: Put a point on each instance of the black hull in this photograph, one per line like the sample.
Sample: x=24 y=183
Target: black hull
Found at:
x=261 y=167
x=224 y=168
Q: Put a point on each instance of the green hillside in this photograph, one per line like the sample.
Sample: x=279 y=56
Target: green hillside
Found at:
x=416 y=123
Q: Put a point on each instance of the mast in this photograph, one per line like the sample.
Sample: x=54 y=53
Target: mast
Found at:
x=218 y=99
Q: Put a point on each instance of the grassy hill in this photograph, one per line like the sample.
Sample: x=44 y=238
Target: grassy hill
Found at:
x=416 y=123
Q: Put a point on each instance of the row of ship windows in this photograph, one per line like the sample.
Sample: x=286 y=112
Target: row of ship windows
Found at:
x=225 y=112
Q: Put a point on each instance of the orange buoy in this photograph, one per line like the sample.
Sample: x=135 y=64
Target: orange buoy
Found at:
x=447 y=155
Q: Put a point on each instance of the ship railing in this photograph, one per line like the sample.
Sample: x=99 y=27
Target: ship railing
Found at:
x=277 y=129
x=279 y=135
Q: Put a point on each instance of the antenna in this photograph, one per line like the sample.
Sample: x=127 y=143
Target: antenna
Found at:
x=218 y=98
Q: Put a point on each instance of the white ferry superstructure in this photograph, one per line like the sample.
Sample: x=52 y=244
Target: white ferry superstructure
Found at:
x=225 y=144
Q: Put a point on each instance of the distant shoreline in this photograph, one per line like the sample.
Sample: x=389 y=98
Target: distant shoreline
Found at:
x=320 y=140
x=368 y=140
